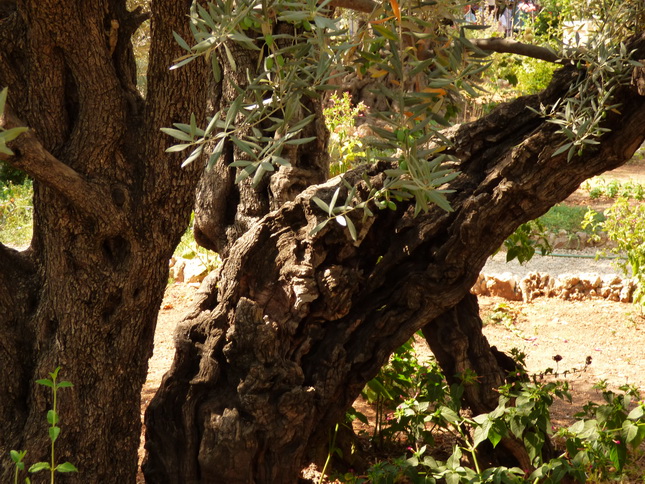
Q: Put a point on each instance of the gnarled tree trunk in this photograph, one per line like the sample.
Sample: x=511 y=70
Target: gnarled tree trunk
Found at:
x=274 y=354
x=109 y=208
x=463 y=353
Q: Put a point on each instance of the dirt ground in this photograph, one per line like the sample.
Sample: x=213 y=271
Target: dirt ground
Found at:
x=611 y=333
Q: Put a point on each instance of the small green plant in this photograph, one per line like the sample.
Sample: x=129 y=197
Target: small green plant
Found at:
x=600 y=441
x=625 y=225
x=598 y=187
x=332 y=450
x=528 y=237
x=404 y=392
x=506 y=316
x=532 y=236
x=17 y=457
x=345 y=146
x=54 y=432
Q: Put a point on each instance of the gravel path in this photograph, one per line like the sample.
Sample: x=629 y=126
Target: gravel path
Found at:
x=577 y=262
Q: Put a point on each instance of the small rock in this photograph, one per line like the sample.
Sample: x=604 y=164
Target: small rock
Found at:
x=194 y=271
x=560 y=242
x=583 y=238
x=504 y=285
x=177 y=270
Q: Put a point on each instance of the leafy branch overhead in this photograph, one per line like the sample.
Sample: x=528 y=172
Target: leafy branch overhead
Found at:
x=604 y=65
x=398 y=186
x=270 y=110
x=302 y=50
x=308 y=58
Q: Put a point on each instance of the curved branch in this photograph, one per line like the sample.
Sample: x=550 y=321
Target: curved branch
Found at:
x=500 y=45
x=510 y=46
x=31 y=157
x=134 y=20
x=365 y=6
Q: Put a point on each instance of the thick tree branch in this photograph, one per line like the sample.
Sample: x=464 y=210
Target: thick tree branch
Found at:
x=31 y=157
x=366 y=6
x=135 y=18
x=304 y=321
x=500 y=45
x=510 y=46
x=163 y=109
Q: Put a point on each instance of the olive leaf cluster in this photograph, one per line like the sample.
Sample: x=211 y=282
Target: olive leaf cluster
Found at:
x=604 y=65
x=422 y=68
x=416 y=62
x=295 y=62
x=590 y=98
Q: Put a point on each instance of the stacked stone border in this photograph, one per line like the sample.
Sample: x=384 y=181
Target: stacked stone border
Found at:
x=573 y=287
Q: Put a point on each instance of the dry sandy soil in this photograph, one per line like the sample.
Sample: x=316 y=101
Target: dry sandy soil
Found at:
x=613 y=334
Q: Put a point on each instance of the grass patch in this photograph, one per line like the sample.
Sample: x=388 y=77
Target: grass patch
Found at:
x=16 y=214
x=568 y=218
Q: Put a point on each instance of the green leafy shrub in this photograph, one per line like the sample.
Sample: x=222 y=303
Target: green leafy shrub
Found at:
x=403 y=393
x=528 y=237
x=601 y=440
x=598 y=187
x=532 y=236
x=599 y=447
x=416 y=403
x=16 y=213
x=564 y=217
x=533 y=75
x=625 y=225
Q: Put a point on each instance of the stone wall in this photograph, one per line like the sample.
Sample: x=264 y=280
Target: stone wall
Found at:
x=574 y=287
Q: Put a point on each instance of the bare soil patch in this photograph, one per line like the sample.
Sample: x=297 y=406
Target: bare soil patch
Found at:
x=611 y=333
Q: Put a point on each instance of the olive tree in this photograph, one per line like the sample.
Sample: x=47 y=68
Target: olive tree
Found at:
x=279 y=346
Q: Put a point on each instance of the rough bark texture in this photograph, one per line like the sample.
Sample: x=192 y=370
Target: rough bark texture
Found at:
x=276 y=351
x=109 y=207
x=225 y=210
x=456 y=339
